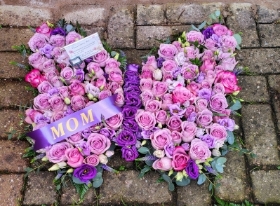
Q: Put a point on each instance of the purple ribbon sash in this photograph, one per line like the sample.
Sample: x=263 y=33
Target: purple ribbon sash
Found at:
x=75 y=122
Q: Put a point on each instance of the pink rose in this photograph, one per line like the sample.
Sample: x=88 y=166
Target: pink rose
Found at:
x=194 y=36
x=151 y=60
x=207 y=54
x=57 y=40
x=210 y=44
x=64 y=92
x=160 y=138
x=112 y=64
x=179 y=159
x=166 y=101
x=192 y=52
x=228 y=63
x=113 y=86
x=194 y=87
x=201 y=104
x=206 y=84
x=56 y=52
x=104 y=94
x=146 y=73
x=153 y=105
x=188 y=131
x=176 y=137
x=34 y=77
x=63 y=59
x=76 y=88
x=199 y=150
x=57 y=103
x=181 y=95
x=218 y=102
x=146 y=84
x=180 y=58
x=100 y=82
x=72 y=36
x=208 y=64
x=146 y=96
x=44 y=87
x=78 y=102
x=41 y=102
x=101 y=58
x=56 y=81
x=67 y=74
x=228 y=43
x=94 y=69
x=190 y=109
x=163 y=164
x=92 y=160
x=119 y=99
x=75 y=139
x=116 y=76
x=168 y=66
x=210 y=76
x=174 y=123
x=220 y=29
x=48 y=65
x=115 y=121
x=145 y=119
x=161 y=116
x=56 y=153
x=189 y=71
x=218 y=88
x=31 y=115
x=228 y=80
x=204 y=118
x=36 y=60
x=37 y=41
x=56 y=115
x=167 y=51
x=49 y=75
x=74 y=157
x=98 y=143
x=44 y=29
x=159 y=88
x=218 y=132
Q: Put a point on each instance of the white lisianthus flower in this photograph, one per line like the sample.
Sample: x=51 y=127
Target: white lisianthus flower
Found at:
x=157 y=74
x=159 y=153
x=103 y=159
x=216 y=153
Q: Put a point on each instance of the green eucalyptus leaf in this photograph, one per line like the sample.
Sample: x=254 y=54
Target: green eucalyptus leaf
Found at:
x=201 y=179
x=97 y=182
x=76 y=180
x=217 y=13
x=238 y=38
x=171 y=187
x=221 y=160
x=236 y=106
x=143 y=150
x=185 y=181
x=230 y=137
x=210 y=187
x=69 y=28
x=194 y=28
x=202 y=25
x=113 y=53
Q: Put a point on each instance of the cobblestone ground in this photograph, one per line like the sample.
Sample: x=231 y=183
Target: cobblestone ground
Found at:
x=134 y=29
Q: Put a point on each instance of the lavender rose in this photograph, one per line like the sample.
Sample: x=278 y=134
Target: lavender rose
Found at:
x=167 y=51
x=199 y=150
x=56 y=153
x=92 y=160
x=146 y=120
x=98 y=143
x=160 y=138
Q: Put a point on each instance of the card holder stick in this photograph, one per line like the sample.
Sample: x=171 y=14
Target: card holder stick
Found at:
x=76 y=62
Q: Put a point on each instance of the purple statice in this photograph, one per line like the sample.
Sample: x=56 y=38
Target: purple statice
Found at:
x=129 y=153
x=208 y=32
x=175 y=109
x=186 y=146
x=192 y=169
x=53 y=91
x=160 y=61
x=205 y=93
x=58 y=30
x=210 y=170
x=227 y=123
x=169 y=149
x=125 y=138
x=209 y=140
x=46 y=50
x=109 y=169
x=147 y=158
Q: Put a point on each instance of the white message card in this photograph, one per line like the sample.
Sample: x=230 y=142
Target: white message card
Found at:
x=84 y=48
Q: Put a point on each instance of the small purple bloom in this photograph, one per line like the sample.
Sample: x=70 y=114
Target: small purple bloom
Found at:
x=110 y=133
x=69 y=110
x=217 y=39
x=192 y=117
x=192 y=169
x=205 y=93
x=85 y=173
x=84 y=147
x=132 y=89
x=209 y=140
x=46 y=50
x=126 y=138
x=211 y=170
x=160 y=60
x=175 y=109
x=86 y=133
x=133 y=100
x=39 y=119
x=208 y=32
x=88 y=60
x=200 y=77
x=58 y=30
x=132 y=67
x=169 y=149
x=186 y=146
x=129 y=153
x=80 y=74
x=147 y=133
x=176 y=72
x=227 y=123
x=53 y=91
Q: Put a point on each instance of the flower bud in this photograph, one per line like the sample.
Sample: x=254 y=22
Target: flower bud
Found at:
x=61 y=164
x=179 y=176
x=236 y=127
x=170 y=172
x=116 y=57
x=90 y=96
x=143 y=142
x=159 y=153
x=44 y=159
x=109 y=153
x=103 y=159
x=157 y=74
x=216 y=153
x=235 y=93
x=69 y=170
x=54 y=167
x=67 y=100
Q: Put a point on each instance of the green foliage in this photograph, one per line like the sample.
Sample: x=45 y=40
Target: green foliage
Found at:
x=22 y=49
x=230 y=137
x=82 y=189
x=22 y=66
x=34 y=91
x=144 y=171
x=220 y=202
x=201 y=179
x=185 y=181
x=143 y=150
x=218 y=164
x=235 y=106
x=166 y=178
x=151 y=52
x=196 y=61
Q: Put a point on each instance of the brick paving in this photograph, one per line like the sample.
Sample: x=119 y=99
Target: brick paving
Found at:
x=134 y=29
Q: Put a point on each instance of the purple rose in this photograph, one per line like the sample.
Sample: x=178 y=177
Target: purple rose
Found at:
x=192 y=169
x=132 y=89
x=204 y=118
x=37 y=41
x=47 y=50
x=57 y=40
x=204 y=93
x=218 y=103
x=85 y=173
x=129 y=112
x=41 y=102
x=169 y=149
x=126 y=138
x=129 y=153
x=167 y=51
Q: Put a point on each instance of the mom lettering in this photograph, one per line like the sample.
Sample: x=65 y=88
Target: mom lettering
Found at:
x=72 y=124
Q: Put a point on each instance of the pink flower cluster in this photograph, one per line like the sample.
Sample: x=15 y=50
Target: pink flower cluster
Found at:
x=185 y=115
x=64 y=89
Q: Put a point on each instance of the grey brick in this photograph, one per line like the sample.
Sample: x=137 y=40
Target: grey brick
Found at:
x=266 y=186
x=40 y=189
x=260 y=134
x=233 y=184
x=274 y=82
x=266 y=15
x=121 y=29
x=260 y=61
x=24 y=15
x=150 y=14
x=269 y=35
x=134 y=56
x=242 y=20
x=148 y=36
x=193 y=195
x=128 y=187
x=253 y=88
